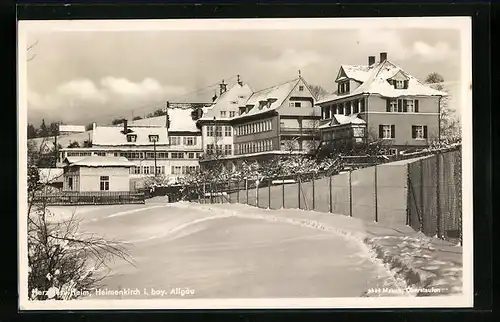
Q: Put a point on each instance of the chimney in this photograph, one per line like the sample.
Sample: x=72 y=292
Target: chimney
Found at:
x=383 y=57
x=125 y=126
x=93 y=126
x=371 y=60
x=239 y=81
x=223 y=87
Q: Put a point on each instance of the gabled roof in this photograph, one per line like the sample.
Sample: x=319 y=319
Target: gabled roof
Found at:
x=230 y=100
x=357 y=72
x=376 y=83
x=341 y=119
x=112 y=135
x=100 y=161
x=278 y=94
x=180 y=120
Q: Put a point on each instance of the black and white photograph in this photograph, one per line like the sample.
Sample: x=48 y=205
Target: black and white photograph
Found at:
x=245 y=163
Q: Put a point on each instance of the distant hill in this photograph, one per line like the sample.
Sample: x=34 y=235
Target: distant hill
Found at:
x=65 y=140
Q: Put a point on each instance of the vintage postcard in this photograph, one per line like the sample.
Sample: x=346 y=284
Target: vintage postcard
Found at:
x=245 y=163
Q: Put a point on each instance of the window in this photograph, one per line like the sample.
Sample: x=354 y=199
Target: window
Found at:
x=410 y=107
x=301 y=88
x=177 y=155
x=190 y=140
x=361 y=105
x=131 y=138
x=343 y=87
x=70 y=183
x=386 y=131
x=222 y=114
x=176 y=169
x=295 y=104
x=136 y=170
x=153 y=138
x=160 y=170
x=218 y=130
x=227 y=131
x=104 y=180
x=145 y=170
x=210 y=130
x=232 y=113
x=399 y=84
x=341 y=108
x=355 y=106
x=191 y=155
x=175 y=140
x=227 y=149
x=419 y=132
x=348 y=108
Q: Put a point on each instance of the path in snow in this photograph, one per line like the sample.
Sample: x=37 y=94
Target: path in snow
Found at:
x=231 y=257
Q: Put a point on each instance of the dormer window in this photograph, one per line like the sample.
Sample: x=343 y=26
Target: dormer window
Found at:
x=262 y=104
x=248 y=108
x=131 y=138
x=222 y=114
x=399 y=84
x=242 y=110
x=154 y=138
x=343 y=87
x=399 y=80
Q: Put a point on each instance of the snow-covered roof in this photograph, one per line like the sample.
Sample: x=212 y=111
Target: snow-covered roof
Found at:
x=277 y=94
x=356 y=72
x=180 y=120
x=341 y=119
x=100 y=161
x=112 y=135
x=71 y=128
x=230 y=100
x=49 y=175
x=376 y=83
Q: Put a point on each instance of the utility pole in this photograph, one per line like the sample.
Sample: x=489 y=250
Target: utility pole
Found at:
x=154 y=147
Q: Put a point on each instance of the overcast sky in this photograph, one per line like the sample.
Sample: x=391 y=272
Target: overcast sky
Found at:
x=83 y=76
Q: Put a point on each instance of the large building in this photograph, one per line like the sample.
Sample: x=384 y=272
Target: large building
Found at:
x=379 y=101
x=171 y=144
x=246 y=125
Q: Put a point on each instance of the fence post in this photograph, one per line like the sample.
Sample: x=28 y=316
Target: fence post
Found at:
x=298 y=190
x=246 y=188
x=257 y=193
x=350 y=193
x=238 y=192
x=438 y=198
x=408 y=196
x=313 y=192
x=376 y=197
x=229 y=190
x=269 y=193
x=421 y=163
x=330 y=195
x=283 y=192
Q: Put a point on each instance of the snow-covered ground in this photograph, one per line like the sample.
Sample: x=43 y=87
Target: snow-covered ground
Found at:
x=232 y=251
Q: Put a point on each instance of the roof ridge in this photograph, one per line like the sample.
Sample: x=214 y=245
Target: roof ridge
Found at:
x=261 y=90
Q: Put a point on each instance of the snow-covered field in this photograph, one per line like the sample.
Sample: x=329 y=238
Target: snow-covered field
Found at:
x=216 y=253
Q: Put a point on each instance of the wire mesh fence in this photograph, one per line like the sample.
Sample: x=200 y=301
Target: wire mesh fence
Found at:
x=424 y=193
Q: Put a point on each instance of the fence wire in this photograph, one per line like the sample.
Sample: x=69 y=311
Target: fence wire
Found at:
x=424 y=194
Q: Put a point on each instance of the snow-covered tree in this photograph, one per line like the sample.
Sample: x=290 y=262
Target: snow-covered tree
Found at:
x=449 y=121
x=63 y=262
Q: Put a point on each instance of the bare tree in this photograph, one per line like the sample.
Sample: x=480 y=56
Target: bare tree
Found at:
x=449 y=122
x=63 y=262
x=318 y=91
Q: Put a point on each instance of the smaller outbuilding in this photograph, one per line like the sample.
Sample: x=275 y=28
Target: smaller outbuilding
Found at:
x=97 y=174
